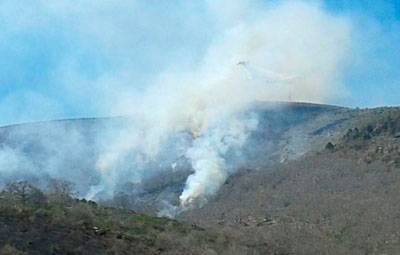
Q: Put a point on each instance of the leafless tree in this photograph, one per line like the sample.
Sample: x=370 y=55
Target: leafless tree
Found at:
x=25 y=191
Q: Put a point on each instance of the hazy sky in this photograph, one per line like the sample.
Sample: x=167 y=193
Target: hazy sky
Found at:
x=61 y=58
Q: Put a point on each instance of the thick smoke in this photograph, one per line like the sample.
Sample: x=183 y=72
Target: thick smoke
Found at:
x=207 y=156
x=282 y=51
x=291 y=50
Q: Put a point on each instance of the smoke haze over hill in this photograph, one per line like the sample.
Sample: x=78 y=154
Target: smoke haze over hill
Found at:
x=194 y=110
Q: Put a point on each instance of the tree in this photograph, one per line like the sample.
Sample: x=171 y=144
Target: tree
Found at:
x=20 y=189
x=25 y=191
x=60 y=187
x=329 y=146
x=60 y=190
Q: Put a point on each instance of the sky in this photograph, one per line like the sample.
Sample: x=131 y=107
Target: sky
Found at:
x=71 y=59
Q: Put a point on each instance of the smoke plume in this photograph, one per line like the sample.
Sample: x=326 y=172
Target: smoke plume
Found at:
x=291 y=50
x=197 y=113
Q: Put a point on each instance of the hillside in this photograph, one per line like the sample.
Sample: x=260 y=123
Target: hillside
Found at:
x=312 y=179
x=34 y=223
x=342 y=199
x=70 y=150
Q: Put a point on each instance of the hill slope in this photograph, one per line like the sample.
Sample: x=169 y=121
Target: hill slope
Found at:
x=342 y=199
x=39 y=224
x=315 y=180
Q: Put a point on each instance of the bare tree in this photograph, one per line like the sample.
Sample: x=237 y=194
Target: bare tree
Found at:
x=25 y=191
x=60 y=187
x=60 y=190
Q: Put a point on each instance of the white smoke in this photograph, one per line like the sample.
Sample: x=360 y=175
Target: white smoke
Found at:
x=291 y=49
x=207 y=156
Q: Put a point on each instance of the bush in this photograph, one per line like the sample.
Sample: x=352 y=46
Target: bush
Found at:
x=11 y=250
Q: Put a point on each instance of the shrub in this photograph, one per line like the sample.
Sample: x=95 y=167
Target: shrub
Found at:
x=11 y=250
